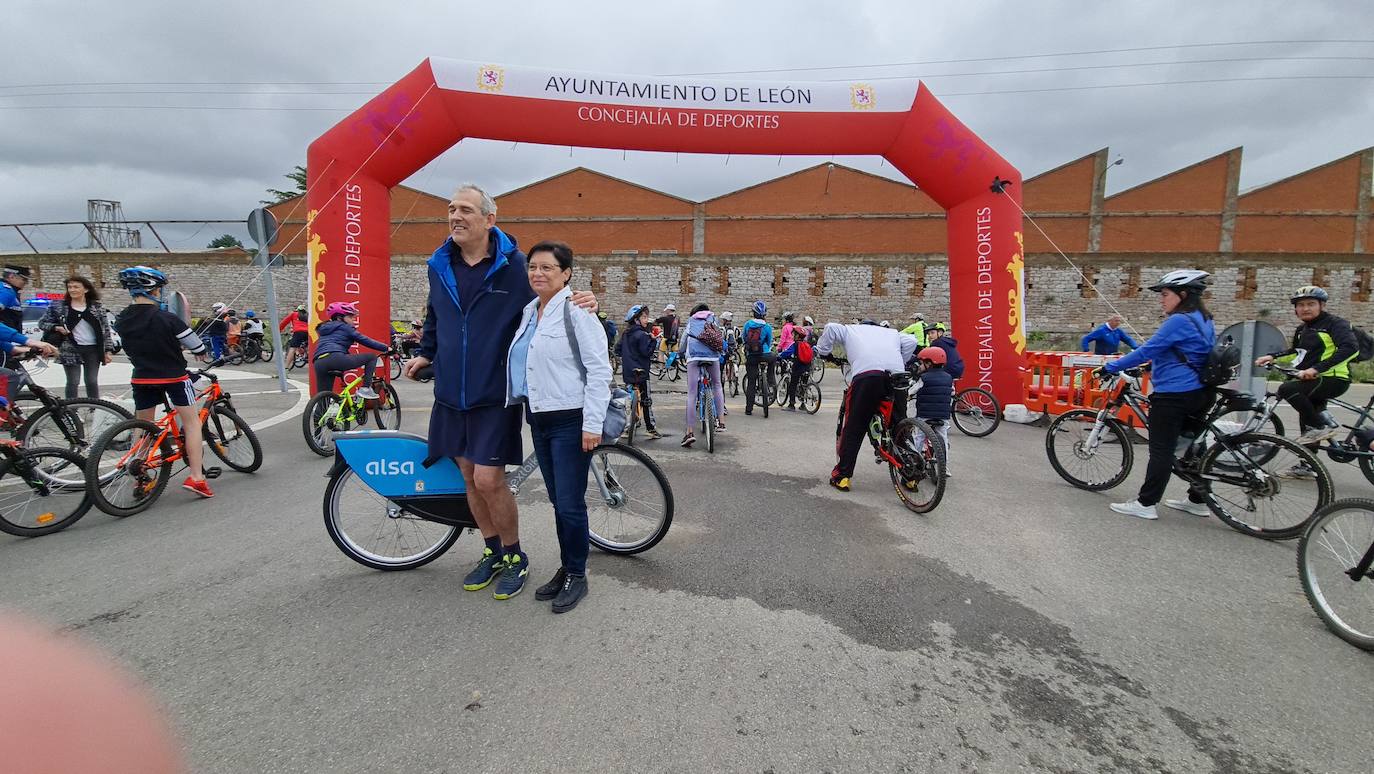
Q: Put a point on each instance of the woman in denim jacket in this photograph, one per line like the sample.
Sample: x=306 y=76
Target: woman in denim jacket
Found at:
x=565 y=387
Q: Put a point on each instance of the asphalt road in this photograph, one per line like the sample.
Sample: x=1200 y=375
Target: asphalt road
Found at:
x=781 y=626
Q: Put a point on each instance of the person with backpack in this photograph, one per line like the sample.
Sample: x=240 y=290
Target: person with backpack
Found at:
x=637 y=346
x=757 y=335
x=702 y=347
x=1323 y=347
x=1179 y=352
x=799 y=355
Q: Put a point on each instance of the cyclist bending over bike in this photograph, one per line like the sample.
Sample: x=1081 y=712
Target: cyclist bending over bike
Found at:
x=299 y=323
x=1177 y=353
x=331 y=349
x=873 y=353
x=1323 y=346
x=699 y=355
x=153 y=339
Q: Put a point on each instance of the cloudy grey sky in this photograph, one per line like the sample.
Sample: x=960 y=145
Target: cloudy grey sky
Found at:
x=146 y=102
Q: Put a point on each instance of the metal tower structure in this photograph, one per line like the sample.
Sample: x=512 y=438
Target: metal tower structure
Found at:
x=107 y=227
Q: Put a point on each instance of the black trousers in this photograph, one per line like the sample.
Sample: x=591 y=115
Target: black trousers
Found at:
x=1309 y=398
x=866 y=393
x=797 y=382
x=1171 y=413
x=91 y=355
x=640 y=381
x=754 y=367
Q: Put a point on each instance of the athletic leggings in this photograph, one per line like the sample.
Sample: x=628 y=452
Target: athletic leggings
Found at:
x=693 y=374
x=329 y=363
x=1309 y=397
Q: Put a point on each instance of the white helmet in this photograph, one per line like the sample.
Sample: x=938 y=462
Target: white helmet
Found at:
x=885 y=324
x=918 y=316
x=808 y=321
x=1182 y=279
x=219 y=307
x=670 y=308
x=727 y=316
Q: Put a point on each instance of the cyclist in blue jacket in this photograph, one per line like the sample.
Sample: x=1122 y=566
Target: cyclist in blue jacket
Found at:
x=1177 y=352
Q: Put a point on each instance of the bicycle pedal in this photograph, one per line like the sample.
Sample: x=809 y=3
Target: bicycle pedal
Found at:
x=213 y=473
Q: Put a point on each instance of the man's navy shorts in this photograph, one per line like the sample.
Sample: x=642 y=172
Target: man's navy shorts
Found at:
x=489 y=435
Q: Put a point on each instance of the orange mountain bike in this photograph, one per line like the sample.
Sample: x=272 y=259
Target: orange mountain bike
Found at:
x=130 y=463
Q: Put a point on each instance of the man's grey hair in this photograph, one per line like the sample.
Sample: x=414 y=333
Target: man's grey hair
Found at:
x=488 y=204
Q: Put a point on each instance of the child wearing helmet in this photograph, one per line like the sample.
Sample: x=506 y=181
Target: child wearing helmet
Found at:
x=335 y=338
x=933 y=394
x=757 y=337
x=1323 y=346
x=153 y=339
x=636 y=348
x=1177 y=353
x=216 y=329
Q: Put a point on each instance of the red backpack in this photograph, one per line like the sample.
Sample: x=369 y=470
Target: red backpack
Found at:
x=804 y=352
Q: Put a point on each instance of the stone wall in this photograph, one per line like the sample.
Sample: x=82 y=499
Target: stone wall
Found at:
x=825 y=287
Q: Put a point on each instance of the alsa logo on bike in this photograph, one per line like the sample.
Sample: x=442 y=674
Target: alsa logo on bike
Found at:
x=390 y=468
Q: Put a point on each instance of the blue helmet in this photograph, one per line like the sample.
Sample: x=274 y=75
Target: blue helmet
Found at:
x=760 y=309
x=634 y=312
x=250 y=314
x=142 y=280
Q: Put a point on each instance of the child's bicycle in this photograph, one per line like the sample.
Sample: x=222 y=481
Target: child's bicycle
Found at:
x=329 y=413
x=912 y=449
x=389 y=507
x=136 y=456
x=41 y=490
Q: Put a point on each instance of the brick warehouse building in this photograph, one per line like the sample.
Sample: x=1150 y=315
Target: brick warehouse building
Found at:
x=839 y=243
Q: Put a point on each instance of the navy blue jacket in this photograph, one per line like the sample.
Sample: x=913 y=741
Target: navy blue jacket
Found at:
x=954 y=364
x=337 y=336
x=1106 y=340
x=469 y=346
x=636 y=347
x=936 y=395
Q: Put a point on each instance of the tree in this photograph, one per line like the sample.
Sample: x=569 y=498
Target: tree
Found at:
x=297 y=176
x=225 y=240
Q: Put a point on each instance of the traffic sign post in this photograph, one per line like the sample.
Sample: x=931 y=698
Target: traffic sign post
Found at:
x=262 y=227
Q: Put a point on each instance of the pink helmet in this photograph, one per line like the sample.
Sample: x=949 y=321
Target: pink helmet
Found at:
x=340 y=308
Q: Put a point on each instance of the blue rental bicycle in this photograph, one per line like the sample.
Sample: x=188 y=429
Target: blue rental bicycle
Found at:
x=390 y=508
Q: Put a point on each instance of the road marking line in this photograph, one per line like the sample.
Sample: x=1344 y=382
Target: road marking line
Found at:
x=302 y=398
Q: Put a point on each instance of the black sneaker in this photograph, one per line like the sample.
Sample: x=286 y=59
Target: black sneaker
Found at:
x=485 y=572
x=574 y=589
x=550 y=590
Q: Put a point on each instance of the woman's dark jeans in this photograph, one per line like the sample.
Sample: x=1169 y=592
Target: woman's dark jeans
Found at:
x=1170 y=414
x=558 y=446
x=340 y=362
x=91 y=355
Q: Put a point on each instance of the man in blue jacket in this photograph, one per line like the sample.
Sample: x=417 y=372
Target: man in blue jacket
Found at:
x=1107 y=338
x=478 y=288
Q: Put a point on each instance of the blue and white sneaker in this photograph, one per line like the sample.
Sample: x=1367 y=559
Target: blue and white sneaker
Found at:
x=485 y=572
x=516 y=567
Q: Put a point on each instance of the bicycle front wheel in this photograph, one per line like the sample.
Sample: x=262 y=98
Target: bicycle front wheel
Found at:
x=232 y=440
x=42 y=491
x=1086 y=456
x=319 y=422
x=976 y=412
x=376 y=532
x=71 y=424
x=920 y=480
x=138 y=471
x=629 y=501
x=387 y=411
x=817 y=371
x=1264 y=485
x=811 y=399
x=708 y=419
x=1336 y=542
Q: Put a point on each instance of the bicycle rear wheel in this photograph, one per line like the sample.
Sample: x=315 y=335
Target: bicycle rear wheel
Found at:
x=396 y=366
x=1334 y=544
x=629 y=501
x=319 y=422
x=232 y=440
x=811 y=399
x=706 y=409
x=976 y=412
x=139 y=471
x=1088 y=462
x=72 y=424
x=817 y=371
x=387 y=410
x=1249 y=483
x=42 y=491
x=920 y=480
x=376 y=532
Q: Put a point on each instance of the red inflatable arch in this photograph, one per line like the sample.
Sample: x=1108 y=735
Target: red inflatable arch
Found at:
x=353 y=166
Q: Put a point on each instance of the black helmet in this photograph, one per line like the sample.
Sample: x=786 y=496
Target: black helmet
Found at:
x=1309 y=291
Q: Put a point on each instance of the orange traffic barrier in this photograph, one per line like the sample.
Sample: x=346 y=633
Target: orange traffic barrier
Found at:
x=1056 y=382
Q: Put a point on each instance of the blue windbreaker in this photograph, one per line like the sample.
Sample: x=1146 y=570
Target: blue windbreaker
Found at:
x=470 y=355
x=338 y=336
x=1177 y=335
x=1106 y=341
x=766 y=335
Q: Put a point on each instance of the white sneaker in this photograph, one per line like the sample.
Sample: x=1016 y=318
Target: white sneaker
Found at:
x=1188 y=506
x=1299 y=471
x=366 y=393
x=1134 y=508
x=1317 y=435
